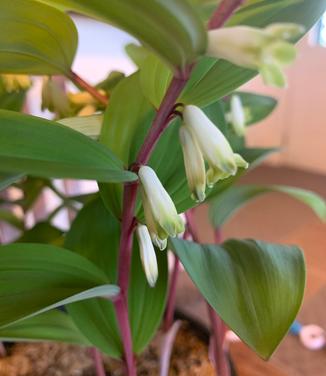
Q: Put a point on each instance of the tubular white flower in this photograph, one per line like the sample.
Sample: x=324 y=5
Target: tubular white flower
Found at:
x=211 y=141
x=266 y=50
x=158 y=205
x=147 y=254
x=194 y=165
x=238 y=118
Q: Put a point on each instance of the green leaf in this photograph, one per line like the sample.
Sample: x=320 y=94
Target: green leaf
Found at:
x=37 y=277
x=99 y=242
x=223 y=77
x=89 y=126
x=172 y=29
x=127 y=114
x=127 y=111
x=49 y=326
x=45 y=148
x=257 y=288
x=136 y=53
x=42 y=232
x=35 y=39
x=155 y=78
x=6 y=179
x=225 y=205
x=257 y=106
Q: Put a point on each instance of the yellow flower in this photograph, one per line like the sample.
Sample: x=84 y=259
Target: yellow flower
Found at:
x=16 y=82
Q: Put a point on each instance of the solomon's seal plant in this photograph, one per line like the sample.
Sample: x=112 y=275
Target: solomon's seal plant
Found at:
x=158 y=142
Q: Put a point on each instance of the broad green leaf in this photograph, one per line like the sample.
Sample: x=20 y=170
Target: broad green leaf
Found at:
x=223 y=77
x=42 y=232
x=35 y=38
x=257 y=288
x=257 y=107
x=53 y=325
x=45 y=148
x=10 y=218
x=137 y=53
x=37 y=277
x=89 y=126
x=129 y=113
x=255 y=156
x=225 y=205
x=99 y=242
x=6 y=179
x=155 y=78
x=170 y=28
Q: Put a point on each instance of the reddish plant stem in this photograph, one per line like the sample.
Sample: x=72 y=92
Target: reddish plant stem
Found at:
x=223 y=13
x=81 y=83
x=98 y=361
x=217 y=326
x=160 y=122
x=162 y=116
x=218 y=334
x=169 y=314
x=128 y=223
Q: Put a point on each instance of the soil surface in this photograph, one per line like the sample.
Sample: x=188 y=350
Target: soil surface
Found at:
x=189 y=358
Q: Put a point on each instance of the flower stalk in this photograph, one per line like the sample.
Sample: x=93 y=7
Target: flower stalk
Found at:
x=81 y=83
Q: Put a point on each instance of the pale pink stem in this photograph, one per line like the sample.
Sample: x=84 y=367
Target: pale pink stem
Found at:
x=98 y=361
x=169 y=314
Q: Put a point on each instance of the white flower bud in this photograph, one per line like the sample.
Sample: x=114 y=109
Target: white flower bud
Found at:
x=147 y=254
x=237 y=118
x=265 y=50
x=194 y=165
x=211 y=141
x=158 y=205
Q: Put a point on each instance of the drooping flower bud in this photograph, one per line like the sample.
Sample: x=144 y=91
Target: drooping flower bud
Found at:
x=194 y=165
x=213 y=146
x=147 y=254
x=54 y=98
x=211 y=141
x=160 y=208
x=16 y=82
x=237 y=116
x=266 y=50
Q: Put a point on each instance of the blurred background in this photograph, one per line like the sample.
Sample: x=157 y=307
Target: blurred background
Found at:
x=298 y=127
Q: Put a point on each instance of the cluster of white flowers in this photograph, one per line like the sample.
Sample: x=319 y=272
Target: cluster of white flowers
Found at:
x=266 y=50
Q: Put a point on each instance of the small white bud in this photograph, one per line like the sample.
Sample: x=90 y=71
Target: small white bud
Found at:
x=237 y=118
x=147 y=254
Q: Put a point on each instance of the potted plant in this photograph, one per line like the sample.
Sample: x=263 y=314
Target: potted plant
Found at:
x=159 y=142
